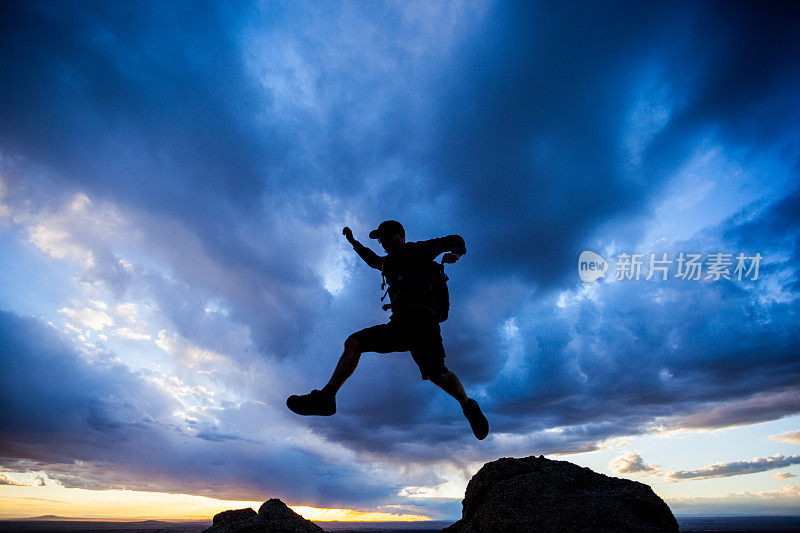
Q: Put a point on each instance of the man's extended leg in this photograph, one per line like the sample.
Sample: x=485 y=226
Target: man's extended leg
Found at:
x=450 y=383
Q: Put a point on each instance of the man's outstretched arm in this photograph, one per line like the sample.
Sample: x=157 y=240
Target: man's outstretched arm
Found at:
x=453 y=244
x=369 y=257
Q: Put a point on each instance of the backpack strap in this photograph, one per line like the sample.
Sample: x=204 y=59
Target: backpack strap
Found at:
x=383 y=286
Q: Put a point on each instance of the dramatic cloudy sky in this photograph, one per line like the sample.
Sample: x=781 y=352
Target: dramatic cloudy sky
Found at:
x=174 y=178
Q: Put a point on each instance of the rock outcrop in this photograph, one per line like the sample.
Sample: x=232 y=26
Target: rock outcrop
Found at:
x=273 y=517
x=535 y=494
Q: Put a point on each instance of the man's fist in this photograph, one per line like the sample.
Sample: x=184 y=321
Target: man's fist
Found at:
x=348 y=233
x=450 y=257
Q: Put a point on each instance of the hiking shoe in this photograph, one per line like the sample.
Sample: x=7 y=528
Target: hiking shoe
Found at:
x=314 y=403
x=478 y=422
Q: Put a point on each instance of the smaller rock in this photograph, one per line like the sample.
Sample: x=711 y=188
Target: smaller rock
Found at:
x=235 y=521
x=273 y=517
x=235 y=515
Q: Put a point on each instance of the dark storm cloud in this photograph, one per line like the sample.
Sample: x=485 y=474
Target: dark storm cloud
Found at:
x=115 y=83
x=647 y=349
x=778 y=232
x=149 y=106
x=97 y=425
x=533 y=139
x=526 y=122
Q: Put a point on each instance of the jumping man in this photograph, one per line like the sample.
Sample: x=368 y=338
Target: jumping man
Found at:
x=413 y=325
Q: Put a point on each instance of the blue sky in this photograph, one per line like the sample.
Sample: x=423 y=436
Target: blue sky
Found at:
x=174 y=178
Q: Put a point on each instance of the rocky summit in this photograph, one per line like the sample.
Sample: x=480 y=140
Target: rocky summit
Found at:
x=272 y=517
x=535 y=494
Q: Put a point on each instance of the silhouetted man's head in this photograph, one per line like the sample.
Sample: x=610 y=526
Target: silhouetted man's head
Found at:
x=390 y=234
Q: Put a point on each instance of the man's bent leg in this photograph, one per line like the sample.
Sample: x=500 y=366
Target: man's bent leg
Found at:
x=324 y=402
x=345 y=367
x=450 y=383
x=380 y=338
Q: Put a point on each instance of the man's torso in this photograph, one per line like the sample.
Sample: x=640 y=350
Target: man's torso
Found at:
x=408 y=272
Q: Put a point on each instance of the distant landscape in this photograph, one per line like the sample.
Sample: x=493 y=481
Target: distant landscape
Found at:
x=688 y=524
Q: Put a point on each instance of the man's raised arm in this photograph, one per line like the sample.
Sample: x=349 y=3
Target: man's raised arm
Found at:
x=369 y=257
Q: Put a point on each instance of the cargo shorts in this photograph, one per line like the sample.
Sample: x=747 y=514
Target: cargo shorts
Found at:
x=418 y=333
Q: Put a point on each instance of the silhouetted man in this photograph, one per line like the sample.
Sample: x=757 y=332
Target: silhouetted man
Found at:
x=413 y=325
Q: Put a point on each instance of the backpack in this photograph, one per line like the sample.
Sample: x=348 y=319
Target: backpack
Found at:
x=440 y=293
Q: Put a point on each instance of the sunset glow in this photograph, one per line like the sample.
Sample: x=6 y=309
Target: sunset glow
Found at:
x=123 y=505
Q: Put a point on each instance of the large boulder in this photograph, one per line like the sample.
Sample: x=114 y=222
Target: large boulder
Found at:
x=273 y=517
x=535 y=494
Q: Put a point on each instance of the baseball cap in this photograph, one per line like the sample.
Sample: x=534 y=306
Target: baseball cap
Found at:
x=387 y=228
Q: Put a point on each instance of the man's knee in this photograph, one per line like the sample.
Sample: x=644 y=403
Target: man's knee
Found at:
x=439 y=377
x=351 y=344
